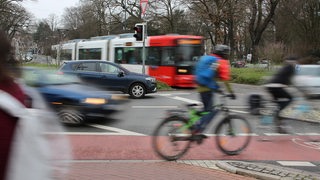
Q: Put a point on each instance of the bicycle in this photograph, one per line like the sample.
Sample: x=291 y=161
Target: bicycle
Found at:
x=296 y=114
x=232 y=133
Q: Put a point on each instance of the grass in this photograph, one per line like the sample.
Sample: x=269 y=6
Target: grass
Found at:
x=253 y=76
x=46 y=66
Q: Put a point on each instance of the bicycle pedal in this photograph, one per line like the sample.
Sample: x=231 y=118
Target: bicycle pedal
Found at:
x=198 y=138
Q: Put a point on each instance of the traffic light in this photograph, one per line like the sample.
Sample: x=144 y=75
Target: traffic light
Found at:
x=139 y=32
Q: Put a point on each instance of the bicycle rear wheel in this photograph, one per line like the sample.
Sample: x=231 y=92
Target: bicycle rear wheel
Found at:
x=233 y=134
x=171 y=138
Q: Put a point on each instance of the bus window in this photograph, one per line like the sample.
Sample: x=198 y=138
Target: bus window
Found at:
x=168 y=56
x=93 y=54
x=187 y=54
x=154 y=56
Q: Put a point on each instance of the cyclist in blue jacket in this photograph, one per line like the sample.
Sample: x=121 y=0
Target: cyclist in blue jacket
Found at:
x=209 y=70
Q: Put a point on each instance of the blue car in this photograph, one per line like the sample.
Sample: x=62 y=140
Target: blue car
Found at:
x=74 y=102
x=111 y=76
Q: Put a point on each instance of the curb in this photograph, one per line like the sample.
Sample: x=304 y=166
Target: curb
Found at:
x=265 y=171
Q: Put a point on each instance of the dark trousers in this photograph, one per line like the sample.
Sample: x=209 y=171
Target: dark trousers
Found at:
x=207 y=100
x=282 y=97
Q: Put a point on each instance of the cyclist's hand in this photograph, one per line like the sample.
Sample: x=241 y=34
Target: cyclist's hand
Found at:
x=232 y=96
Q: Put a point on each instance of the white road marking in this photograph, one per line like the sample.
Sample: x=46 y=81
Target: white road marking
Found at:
x=154 y=107
x=186 y=100
x=88 y=133
x=295 y=163
x=120 y=131
x=301 y=142
x=200 y=103
x=170 y=94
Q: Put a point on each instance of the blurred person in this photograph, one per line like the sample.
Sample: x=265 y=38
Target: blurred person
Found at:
x=19 y=160
x=9 y=71
x=209 y=70
x=278 y=84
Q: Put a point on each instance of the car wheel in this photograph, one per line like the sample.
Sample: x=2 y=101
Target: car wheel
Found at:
x=137 y=90
x=70 y=116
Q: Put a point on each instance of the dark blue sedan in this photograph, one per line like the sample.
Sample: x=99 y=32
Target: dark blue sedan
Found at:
x=74 y=102
x=111 y=76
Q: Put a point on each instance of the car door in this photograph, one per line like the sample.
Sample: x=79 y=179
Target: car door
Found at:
x=87 y=71
x=113 y=77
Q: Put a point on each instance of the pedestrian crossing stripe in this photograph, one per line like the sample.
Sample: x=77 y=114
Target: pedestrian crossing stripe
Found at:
x=296 y=163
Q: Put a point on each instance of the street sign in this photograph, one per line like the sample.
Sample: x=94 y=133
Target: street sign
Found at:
x=143 y=5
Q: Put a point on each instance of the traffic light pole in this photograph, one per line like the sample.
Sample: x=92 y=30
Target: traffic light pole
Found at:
x=141 y=35
x=144 y=49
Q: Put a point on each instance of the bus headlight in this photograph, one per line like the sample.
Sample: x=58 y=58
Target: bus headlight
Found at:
x=182 y=71
x=96 y=101
x=152 y=79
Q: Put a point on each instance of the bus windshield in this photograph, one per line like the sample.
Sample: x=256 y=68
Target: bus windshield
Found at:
x=185 y=55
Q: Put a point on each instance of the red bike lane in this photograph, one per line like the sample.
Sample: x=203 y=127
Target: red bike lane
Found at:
x=122 y=147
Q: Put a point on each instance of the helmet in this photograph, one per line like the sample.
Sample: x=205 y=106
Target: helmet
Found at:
x=221 y=49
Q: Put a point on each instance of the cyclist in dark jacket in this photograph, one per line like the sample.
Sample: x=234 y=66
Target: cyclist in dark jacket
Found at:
x=278 y=84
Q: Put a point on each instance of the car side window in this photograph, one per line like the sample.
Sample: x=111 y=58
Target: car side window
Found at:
x=88 y=66
x=108 y=68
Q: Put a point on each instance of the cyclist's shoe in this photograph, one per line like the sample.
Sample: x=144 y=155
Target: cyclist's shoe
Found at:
x=282 y=130
x=198 y=138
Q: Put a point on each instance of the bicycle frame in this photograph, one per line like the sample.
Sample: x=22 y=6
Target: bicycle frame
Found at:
x=192 y=115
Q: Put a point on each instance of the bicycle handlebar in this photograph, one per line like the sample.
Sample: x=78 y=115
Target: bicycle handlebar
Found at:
x=231 y=96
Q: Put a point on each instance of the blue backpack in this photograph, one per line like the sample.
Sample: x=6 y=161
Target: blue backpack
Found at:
x=206 y=71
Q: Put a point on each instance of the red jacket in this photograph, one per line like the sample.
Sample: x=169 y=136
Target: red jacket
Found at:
x=8 y=123
x=223 y=68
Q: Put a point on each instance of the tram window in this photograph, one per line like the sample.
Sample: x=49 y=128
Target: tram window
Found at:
x=130 y=55
x=66 y=54
x=119 y=56
x=94 y=53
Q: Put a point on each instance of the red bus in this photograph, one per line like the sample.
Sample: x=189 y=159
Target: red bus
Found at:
x=169 y=58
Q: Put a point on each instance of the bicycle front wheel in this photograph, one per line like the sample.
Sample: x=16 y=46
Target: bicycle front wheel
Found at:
x=233 y=134
x=171 y=138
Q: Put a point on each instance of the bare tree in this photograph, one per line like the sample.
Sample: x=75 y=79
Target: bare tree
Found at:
x=13 y=17
x=298 y=25
x=262 y=12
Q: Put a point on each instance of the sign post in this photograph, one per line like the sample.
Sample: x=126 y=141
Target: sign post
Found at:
x=143 y=5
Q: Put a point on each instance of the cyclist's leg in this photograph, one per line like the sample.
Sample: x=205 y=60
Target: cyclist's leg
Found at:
x=283 y=99
x=205 y=120
x=287 y=98
x=207 y=100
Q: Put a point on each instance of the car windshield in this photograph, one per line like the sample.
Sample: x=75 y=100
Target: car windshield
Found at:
x=46 y=77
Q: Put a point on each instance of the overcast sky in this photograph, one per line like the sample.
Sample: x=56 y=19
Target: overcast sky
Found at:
x=43 y=8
